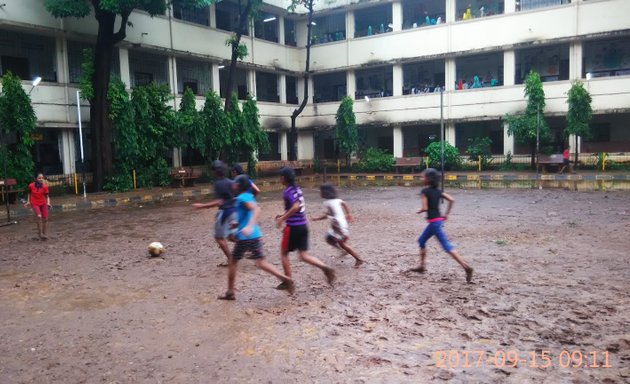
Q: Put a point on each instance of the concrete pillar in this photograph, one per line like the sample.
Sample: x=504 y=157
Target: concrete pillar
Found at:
x=572 y=145
x=172 y=75
x=177 y=157
x=449 y=129
x=63 y=71
x=508 y=141
x=575 y=60
x=305 y=146
x=349 y=24
x=67 y=150
x=283 y=145
x=125 y=74
x=351 y=83
x=213 y=15
x=397 y=17
x=281 y=30
x=300 y=32
x=509 y=67
x=398 y=141
x=282 y=88
x=251 y=82
x=450 y=74
x=299 y=84
x=397 y=77
x=451 y=9
x=510 y=6
x=216 y=82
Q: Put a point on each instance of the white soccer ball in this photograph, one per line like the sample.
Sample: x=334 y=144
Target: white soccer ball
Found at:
x=156 y=249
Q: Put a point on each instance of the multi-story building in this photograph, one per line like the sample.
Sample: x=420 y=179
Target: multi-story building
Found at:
x=393 y=57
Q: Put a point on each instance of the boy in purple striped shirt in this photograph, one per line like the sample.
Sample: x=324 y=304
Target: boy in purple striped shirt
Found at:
x=295 y=233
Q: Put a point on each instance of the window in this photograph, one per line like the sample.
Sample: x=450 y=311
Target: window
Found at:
x=328 y=28
x=374 y=82
x=551 y=63
x=479 y=71
x=228 y=17
x=423 y=77
x=610 y=57
x=373 y=20
x=289 y=33
x=291 y=85
x=267 y=87
x=599 y=133
x=329 y=87
x=191 y=14
x=525 y=5
x=27 y=55
x=196 y=75
x=146 y=68
x=472 y=9
x=423 y=13
x=266 y=27
x=240 y=82
x=490 y=129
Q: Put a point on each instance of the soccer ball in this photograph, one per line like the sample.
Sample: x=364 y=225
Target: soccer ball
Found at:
x=156 y=249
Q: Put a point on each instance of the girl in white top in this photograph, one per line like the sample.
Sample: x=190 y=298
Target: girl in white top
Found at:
x=339 y=214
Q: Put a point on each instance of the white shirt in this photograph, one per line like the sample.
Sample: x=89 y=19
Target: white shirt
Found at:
x=338 y=222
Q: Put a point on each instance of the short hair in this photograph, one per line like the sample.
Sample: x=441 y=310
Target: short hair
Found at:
x=289 y=175
x=432 y=176
x=328 y=191
x=218 y=167
x=242 y=181
x=236 y=168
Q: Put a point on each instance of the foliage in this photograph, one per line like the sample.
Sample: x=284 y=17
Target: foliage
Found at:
x=235 y=116
x=126 y=140
x=17 y=117
x=479 y=147
x=346 y=131
x=376 y=160
x=188 y=132
x=579 y=114
x=241 y=49
x=451 y=155
x=252 y=138
x=87 y=72
x=216 y=128
x=531 y=124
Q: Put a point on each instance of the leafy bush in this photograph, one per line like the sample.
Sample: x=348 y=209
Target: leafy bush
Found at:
x=376 y=160
x=452 y=159
x=479 y=148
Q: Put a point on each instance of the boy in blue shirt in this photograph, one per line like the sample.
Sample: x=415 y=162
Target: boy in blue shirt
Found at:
x=249 y=238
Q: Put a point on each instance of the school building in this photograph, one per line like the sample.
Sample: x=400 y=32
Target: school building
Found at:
x=406 y=63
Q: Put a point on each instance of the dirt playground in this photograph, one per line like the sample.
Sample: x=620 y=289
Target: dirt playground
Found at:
x=549 y=302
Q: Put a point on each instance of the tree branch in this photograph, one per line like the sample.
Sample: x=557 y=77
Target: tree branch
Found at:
x=122 y=32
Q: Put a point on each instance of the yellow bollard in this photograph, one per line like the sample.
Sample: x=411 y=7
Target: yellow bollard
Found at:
x=338 y=166
x=426 y=161
x=603 y=161
x=134 y=179
x=76 y=186
x=479 y=162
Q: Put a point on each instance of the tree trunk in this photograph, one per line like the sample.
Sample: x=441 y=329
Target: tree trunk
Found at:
x=242 y=24
x=533 y=160
x=575 y=163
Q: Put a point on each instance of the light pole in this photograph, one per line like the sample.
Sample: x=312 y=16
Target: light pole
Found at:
x=442 y=133
x=538 y=145
x=81 y=141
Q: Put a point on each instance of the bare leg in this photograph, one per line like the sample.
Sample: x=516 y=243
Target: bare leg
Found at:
x=329 y=272
x=44 y=229
x=286 y=265
x=344 y=245
x=38 y=221
x=269 y=268
x=422 y=268
x=467 y=268
x=224 y=247
x=229 y=294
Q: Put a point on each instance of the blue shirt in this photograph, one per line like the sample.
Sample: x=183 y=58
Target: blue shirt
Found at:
x=244 y=215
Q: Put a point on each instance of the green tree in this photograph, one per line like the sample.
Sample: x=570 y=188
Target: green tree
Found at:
x=189 y=132
x=235 y=116
x=452 y=159
x=531 y=127
x=127 y=150
x=216 y=128
x=17 y=121
x=253 y=138
x=479 y=148
x=579 y=115
x=346 y=130
x=108 y=14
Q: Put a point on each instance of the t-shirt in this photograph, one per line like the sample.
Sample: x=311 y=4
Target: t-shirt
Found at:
x=433 y=199
x=338 y=222
x=223 y=190
x=244 y=215
x=565 y=154
x=38 y=193
x=291 y=194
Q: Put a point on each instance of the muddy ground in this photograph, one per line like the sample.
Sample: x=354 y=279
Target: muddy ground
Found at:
x=552 y=273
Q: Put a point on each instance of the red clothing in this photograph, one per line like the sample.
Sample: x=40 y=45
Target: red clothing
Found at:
x=37 y=195
x=565 y=154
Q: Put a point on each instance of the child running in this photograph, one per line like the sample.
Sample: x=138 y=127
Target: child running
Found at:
x=238 y=170
x=295 y=233
x=431 y=196
x=248 y=238
x=339 y=213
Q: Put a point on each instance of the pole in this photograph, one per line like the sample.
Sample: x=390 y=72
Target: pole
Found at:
x=5 y=187
x=538 y=146
x=442 y=133
x=81 y=141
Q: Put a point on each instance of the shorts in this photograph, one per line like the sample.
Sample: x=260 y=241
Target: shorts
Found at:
x=435 y=228
x=254 y=246
x=40 y=210
x=335 y=239
x=294 y=238
x=225 y=223
x=565 y=161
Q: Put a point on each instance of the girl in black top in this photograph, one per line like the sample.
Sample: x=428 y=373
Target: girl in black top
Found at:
x=431 y=196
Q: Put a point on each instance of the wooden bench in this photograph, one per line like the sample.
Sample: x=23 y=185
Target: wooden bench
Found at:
x=545 y=161
x=407 y=162
x=6 y=189
x=184 y=176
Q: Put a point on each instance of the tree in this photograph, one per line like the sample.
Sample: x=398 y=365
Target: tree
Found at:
x=346 y=130
x=106 y=13
x=530 y=127
x=127 y=150
x=308 y=4
x=189 y=132
x=216 y=128
x=579 y=115
x=18 y=121
x=253 y=139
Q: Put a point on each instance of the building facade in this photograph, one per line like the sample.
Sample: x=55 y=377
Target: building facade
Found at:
x=407 y=63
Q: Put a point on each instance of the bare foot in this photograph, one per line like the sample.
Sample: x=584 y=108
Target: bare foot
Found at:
x=330 y=275
x=418 y=270
x=469 y=273
x=228 y=296
x=284 y=286
x=224 y=264
x=290 y=287
x=358 y=263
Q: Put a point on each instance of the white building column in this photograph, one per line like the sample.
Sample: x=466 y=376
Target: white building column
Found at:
x=305 y=146
x=508 y=140
x=172 y=76
x=398 y=141
x=281 y=30
x=451 y=9
x=575 y=60
x=397 y=17
x=572 y=144
x=449 y=129
x=251 y=82
x=397 y=79
x=67 y=150
x=300 y=89
x=125 y=74
x=283 y=145
x=212 y=10
x=450 y=74
x=349 y=24
x=509 y=67
x=510 y=6
x=216 y=79
x=282 y=88
x=351 y=83
x=63 y=71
